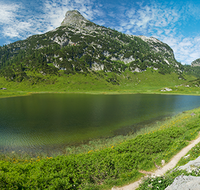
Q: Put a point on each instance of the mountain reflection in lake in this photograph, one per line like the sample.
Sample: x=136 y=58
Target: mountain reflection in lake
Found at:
x=54 y=120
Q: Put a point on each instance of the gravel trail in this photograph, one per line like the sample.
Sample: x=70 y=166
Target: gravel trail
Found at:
x=164 y=169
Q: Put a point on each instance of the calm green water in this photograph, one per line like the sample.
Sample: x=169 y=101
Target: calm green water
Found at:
x=46 y=120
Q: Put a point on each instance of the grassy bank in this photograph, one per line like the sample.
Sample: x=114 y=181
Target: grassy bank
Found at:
x=164 y=181
x=149 y=81
x=102 y=167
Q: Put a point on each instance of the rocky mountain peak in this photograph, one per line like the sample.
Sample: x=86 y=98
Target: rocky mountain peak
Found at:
x=74 y=18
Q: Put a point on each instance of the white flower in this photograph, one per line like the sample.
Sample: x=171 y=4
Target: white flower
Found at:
x=150 y=185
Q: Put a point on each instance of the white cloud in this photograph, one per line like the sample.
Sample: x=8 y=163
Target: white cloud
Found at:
x=160 y=21
x=130 y=13
x=7 y=13
x=100 y=22
x=10 y=21
x=15 y=26
x=55 y=10
x=186 y=49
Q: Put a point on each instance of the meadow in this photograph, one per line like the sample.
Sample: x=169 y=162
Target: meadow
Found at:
x=150 y=81
x=162 y=182
x=102 y=165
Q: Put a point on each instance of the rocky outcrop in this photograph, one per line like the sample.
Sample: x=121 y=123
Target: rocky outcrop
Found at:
x=185 y=183
x=191 y=165
x=166 y=90
x=97 y=67
x=196 y=63
x=73 y=18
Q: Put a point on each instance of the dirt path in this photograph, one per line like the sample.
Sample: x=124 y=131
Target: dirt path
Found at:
x=164 y=169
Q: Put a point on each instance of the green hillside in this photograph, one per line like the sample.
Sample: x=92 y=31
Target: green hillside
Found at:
x=80 y=56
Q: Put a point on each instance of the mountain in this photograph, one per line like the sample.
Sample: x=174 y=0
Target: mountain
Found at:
x=195 y=63
x=193 y=69
x=81 y=46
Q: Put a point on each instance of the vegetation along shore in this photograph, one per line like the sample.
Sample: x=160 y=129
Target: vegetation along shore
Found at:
x=101 y=167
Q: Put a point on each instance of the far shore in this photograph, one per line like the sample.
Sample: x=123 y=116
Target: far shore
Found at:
x=9 y=94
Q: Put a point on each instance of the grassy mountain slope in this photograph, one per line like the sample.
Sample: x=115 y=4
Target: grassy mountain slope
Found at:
x=150 y=81
x=83 y=56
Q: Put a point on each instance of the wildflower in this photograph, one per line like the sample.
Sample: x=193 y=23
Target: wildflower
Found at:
x=150 y=185
x=159 y=181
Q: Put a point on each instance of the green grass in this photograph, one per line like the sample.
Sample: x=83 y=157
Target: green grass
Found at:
x=166 y=180
x=149 y=81
x=112 y=165
x=193 y=154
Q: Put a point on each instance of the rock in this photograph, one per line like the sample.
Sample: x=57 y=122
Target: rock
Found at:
x=97 y=67
x=185 y=157
x=191 y=165
x=185 y=183
x=137 y=70
x=3 y=88
x=166 y=90
x=74 y=18
x=128 y=60
x=163 y=162
x=196 y=63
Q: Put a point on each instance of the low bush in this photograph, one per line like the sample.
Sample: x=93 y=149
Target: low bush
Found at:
x=115 y=165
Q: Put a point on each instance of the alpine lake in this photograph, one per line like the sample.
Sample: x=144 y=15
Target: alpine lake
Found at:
x=50 y=122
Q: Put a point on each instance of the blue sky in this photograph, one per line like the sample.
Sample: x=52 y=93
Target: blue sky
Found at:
x=176 y=23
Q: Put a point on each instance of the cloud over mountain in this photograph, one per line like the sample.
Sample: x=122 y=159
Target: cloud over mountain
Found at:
x=174 y=23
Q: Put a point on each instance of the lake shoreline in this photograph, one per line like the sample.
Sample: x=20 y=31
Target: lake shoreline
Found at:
x=28 y=93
